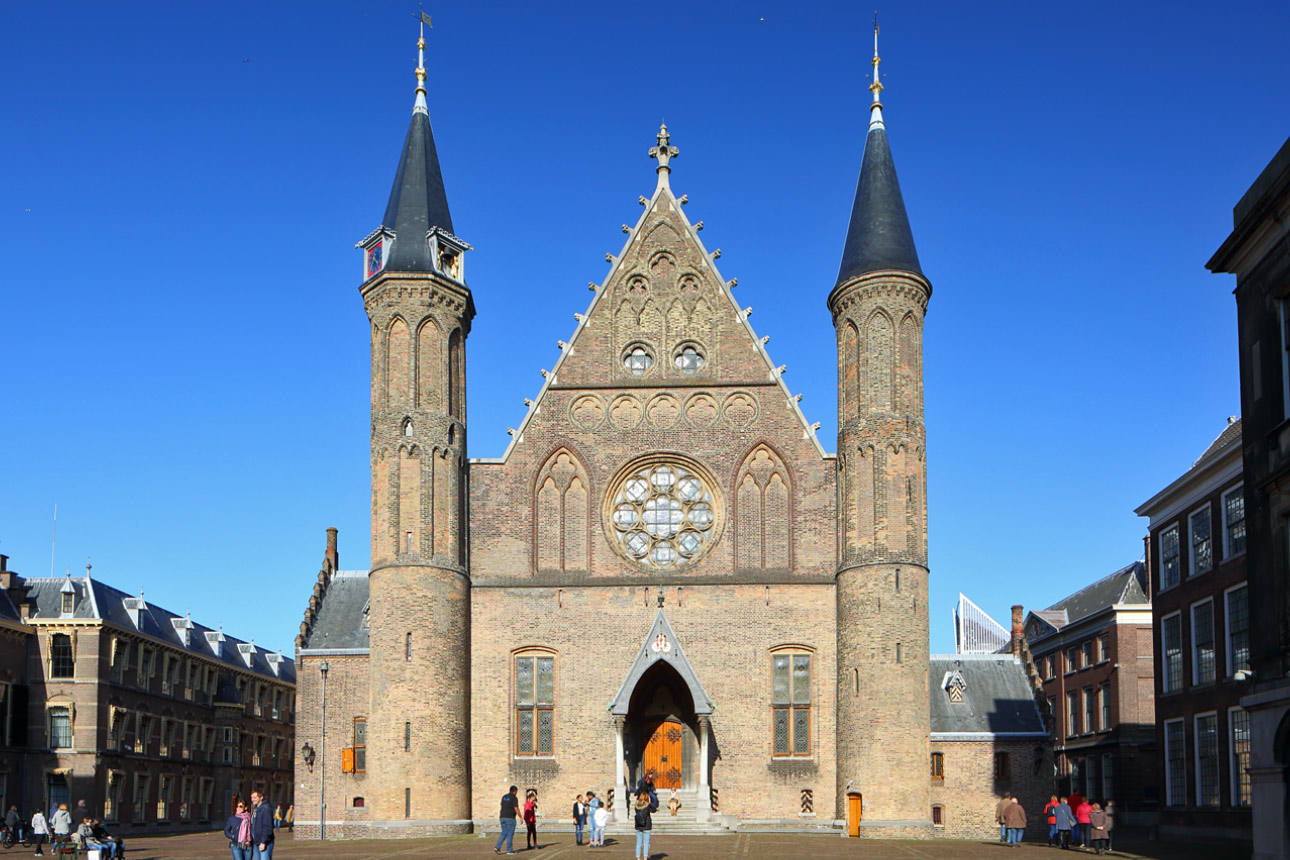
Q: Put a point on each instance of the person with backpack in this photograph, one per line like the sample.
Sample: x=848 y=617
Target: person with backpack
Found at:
x=644 y=824
x=1050 y=810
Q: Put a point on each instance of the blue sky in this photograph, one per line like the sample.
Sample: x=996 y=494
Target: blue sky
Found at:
x=186 y=354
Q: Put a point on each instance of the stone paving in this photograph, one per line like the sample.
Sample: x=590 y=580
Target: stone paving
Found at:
x=741 y=846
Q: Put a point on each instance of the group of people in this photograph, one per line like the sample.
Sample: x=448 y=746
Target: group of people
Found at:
x=1072 y=820
x=80 y=827
x=250 y=832
x=589 y=817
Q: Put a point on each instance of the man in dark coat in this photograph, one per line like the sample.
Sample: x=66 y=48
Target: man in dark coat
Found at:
x=261 y=828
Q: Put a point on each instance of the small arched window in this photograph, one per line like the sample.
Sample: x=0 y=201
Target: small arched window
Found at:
x=938 y=765
x=359 y=803
x=407 y=427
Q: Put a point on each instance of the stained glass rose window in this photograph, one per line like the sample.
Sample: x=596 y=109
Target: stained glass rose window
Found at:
x=663 y=514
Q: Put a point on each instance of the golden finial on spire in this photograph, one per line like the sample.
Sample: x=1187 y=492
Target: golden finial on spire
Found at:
x=420 y=106
x=875 y=109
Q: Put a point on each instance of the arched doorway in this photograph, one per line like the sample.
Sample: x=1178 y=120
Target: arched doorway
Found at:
x=664 y=730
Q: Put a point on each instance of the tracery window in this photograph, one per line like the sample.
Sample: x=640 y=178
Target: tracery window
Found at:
x=534 y=704
x=637 y=359
x=791 y=703
x=688 y=359
x=663 y=515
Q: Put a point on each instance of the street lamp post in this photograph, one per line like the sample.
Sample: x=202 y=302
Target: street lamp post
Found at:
x=322 y=754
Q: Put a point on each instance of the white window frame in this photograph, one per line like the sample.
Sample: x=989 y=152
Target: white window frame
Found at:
x=1164 y=654
x=1233 y=768
x=1227 y=624
x=1170 y=800
x=1218 y=760
x=1195 y=643
x=1191 y=544
x=1160 y=541
x=1222 y=501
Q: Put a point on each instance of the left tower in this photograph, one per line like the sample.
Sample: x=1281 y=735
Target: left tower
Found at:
x=415 y=294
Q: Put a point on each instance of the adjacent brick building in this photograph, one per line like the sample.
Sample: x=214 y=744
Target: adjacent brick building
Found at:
x=153 y=719
x=1092 y=650
x=1258 y=253
x=1196 y=546
x=665 y=573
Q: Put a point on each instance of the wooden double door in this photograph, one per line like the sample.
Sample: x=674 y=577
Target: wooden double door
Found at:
x=662 y=759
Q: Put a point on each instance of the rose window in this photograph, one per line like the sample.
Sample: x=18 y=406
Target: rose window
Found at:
x=663 y=515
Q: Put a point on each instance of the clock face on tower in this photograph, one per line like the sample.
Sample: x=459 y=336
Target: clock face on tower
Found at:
x=375 y=258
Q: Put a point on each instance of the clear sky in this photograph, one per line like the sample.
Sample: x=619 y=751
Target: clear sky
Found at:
x=185 y=353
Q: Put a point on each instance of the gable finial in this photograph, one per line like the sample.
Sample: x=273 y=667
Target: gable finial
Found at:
x=663 y=152
x=875 y=109
x=420 y=106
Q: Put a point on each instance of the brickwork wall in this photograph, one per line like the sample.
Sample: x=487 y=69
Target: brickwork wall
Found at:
x=348 y=697
x=727 y=633
x=969 y=791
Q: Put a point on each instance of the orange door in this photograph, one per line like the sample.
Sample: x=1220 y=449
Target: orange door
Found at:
x=663 y=755
x=855 y=810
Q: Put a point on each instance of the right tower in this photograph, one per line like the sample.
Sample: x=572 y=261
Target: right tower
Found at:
x=878 y=306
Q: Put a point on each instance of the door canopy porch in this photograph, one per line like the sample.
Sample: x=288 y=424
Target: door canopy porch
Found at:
x=661 y=645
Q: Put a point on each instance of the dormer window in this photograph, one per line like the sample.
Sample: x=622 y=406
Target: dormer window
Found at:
x=954 y=686
x=69 y=600
x=448 y=254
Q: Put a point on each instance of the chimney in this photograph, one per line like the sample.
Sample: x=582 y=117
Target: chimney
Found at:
x=4 y=572
x=333 y=556
x=1017 y=630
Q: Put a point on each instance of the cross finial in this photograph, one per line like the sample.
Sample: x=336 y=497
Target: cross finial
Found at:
x=664 y=153
x=660 y=597
x=875 y=109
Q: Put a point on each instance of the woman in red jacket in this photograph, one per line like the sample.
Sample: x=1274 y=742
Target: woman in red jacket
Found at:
x=530 y=820
x=1082 y=814
x=1051 y=812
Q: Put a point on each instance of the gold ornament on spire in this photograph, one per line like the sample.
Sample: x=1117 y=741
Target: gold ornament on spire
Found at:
x=875 y=109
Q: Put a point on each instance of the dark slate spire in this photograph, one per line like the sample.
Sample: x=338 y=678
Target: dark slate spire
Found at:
x=878 y=236
x=417 y=200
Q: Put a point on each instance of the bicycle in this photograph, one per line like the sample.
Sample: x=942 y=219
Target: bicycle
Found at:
x=7 y=840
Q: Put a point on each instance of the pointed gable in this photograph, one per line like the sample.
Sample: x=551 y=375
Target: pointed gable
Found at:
x=661 y=645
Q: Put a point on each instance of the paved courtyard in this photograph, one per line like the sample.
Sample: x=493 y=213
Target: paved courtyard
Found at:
x=742 y=846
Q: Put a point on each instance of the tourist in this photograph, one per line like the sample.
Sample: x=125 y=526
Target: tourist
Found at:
x=530 y=820
x=1015 y=818
x=999 y=809
x=1065 y=822
x=593 y=804
x=1109 y=809
x=1097 y=828
x=598 y=831
x=237 y=830
x=81 y=812
x=644 y=824
x=291 y=817
x=579 y=818
x=13 y=821
x=1050 y=810
x=510 y=802
x=85 y=838
x=673 y=803
x=62 y=823
x=277 y=817
x=101 y=834
x=1082 y=813
x=39 y=830
x=261 y=827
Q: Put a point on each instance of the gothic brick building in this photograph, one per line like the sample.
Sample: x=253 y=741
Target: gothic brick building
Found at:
x=757 y=605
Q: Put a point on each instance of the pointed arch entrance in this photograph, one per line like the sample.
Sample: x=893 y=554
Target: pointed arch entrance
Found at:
x=662 y=720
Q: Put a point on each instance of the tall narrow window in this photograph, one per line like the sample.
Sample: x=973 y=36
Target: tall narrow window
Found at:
x=938 y=765
x=1104 y=693
x=1207 y=760
x=407 y=803
x=1072 y=713
x=1239 y=720
x=1072 y=661
x=1103 y=648
x=1108 y=775
x=360 y=745
x=1090 y=710
x=1002 y=766
x=937 y=818
x=407 y=647
x=1202 y=548
x=1238 y=630
x=1234 y=522
x=407 y=737
x=1171 y=647
x=60 y=728
x=61 y=661
x=791 y=703
x=1169 y=567
x=534 y=705
x=1175 y=763
x=1086 y=653
x=1202 y=642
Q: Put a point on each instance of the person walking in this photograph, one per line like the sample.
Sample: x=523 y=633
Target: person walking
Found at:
x=39 y=830
x=1097 y=828
x=999 y=809
x=261 y=827
x=237 y=830
x=510 y=805
x=530 y=821
x=644 y=825
x=579 y=818
x=62 y=824
x=1110 y=824
x=601 y=816
x=277 y=817
x=291 y=817
x=81 y=812
x=1065 y=823
x=1015 y=818
x=1050 y=810
x=1082 y=813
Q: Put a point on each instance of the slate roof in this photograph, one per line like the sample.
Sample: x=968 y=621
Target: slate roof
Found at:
x=95 y=600
x=417 y=200
x=1126 y=586
x=1231 y=433
x=878 y=236
x=997 y=697
x=8 y=612
x=341 y=621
